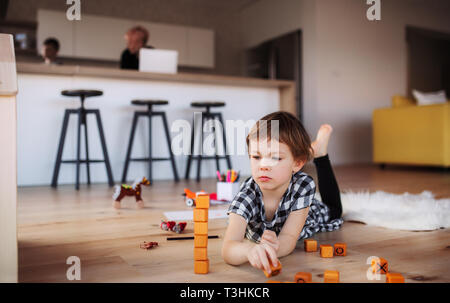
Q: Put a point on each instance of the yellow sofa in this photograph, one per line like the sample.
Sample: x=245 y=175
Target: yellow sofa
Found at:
x=408 y=133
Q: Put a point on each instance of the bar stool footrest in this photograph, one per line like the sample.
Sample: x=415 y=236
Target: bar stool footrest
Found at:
x=147 y=159
x=208 y=157
x=82 y=161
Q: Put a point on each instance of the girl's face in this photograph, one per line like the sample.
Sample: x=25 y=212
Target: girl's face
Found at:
x=272 y=164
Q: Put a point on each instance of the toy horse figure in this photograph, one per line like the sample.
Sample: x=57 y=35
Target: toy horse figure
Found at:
x=127 y=190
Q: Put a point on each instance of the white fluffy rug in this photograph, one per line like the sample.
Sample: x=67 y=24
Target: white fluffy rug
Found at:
x=406 y=211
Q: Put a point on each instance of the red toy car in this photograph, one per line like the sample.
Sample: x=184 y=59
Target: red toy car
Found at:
x=173 y=226
x=148 y=245
x=190 y=196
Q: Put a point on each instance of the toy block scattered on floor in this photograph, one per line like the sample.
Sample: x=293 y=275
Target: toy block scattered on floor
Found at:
x=200 y=240
x=202 y=201
x=331 y=276
x=326 y=251
x=394 y=278
x=310 y=245
x=275 y=270
x=340 y=249
x=200 y=215
x=380 y=266
x=200 y=253
x=201 y=267
x=200 y=228
x=303 y=277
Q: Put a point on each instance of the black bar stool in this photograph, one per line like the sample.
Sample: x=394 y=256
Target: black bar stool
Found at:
x=82 y=115
x=149 y=114
x=207 y=115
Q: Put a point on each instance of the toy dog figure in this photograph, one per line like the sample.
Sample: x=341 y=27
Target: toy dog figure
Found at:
x=127 y=190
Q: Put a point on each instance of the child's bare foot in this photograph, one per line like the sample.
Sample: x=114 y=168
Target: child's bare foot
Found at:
x=116 y=204
x=140 y=204
x=320 y=145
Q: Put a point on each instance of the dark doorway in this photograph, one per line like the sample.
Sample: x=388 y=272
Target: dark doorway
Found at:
x=279 y=58
x=3 y=9
x=428 y=60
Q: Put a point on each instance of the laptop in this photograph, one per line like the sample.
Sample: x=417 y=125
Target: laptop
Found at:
x=158 y=61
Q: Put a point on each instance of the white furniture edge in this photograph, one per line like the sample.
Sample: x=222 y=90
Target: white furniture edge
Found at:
x=8 y=162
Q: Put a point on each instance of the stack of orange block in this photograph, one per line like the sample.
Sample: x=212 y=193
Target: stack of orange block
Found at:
x=201 y=261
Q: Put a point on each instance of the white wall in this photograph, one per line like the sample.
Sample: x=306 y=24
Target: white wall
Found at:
x=362 y=64
x=195 y=46
x=267 y=19
x=219 y=15
x=350 y=65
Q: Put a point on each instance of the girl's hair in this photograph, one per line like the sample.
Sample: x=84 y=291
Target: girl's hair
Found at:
x=291 y=132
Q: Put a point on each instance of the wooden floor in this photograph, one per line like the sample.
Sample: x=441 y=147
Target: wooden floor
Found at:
x=57 y=224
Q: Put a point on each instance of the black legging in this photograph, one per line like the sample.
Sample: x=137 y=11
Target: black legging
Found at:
x=329 y=190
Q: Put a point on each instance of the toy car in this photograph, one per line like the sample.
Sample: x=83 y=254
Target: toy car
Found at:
x=190 y=196
x=148 y=245
x=173 y=226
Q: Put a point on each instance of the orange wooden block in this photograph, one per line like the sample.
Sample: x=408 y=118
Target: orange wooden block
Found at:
x=202 y=201
x=380 y=267
x=200 y=240
x=303 y=277
x=275 y=270
x=272 y=281
x=201 y=267
x=331 y=276
x=340 y=249
x=326 y=251
x=310 y=245
x=394 y=278
x=200 y=228
x=200 y=215
x=200 y=253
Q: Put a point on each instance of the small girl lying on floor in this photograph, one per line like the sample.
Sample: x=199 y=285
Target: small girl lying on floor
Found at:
x=275 y=207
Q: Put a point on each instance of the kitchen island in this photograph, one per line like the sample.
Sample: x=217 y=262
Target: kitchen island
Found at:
x=40 y=110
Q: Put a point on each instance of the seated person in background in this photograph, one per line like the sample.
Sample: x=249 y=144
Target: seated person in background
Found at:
x=137 y=38
x=50 y=49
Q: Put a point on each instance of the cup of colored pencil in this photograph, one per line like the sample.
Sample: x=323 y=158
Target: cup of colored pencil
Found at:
x=230 y=176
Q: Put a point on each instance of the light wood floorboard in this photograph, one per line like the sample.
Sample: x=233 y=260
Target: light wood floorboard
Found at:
x=56 y=224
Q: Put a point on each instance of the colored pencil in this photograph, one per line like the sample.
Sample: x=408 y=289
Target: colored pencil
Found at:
x=190 y=238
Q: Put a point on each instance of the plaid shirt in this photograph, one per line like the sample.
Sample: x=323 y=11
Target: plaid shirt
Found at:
x=248 y=203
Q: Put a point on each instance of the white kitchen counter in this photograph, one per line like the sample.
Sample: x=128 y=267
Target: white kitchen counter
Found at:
x=40 y=110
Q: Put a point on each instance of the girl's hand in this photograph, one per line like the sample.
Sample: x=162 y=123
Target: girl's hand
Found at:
x=260 y=256
x=270 y=237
